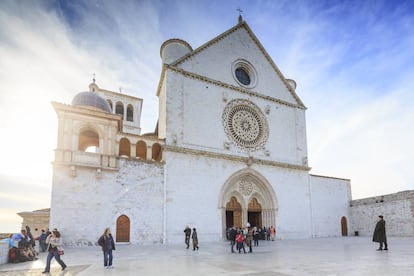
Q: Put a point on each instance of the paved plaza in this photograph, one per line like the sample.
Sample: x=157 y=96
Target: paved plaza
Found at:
x=324 y=256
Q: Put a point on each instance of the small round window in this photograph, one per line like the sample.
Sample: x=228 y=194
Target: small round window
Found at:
x=242 y=76
x=244 y=73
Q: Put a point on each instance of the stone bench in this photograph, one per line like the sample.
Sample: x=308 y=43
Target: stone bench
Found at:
x=4 y=252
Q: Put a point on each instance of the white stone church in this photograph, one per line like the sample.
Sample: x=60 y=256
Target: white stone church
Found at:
x=229 y=149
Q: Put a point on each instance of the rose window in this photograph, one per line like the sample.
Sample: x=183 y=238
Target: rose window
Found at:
x=245 y=124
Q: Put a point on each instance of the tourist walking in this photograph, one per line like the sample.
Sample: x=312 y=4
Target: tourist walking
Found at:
x=195 y=239
x=256 y=235
x=187 y=232
x=240 y=241
x=232 y=237
x=106 y=241
x=249 y=239
x=379 y=234
x=55 y=249
x=272 y=231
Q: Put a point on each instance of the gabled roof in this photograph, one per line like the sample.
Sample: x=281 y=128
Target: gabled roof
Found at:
x=241 y=24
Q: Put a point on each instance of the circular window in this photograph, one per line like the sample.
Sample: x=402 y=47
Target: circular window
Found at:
x=245 y=124
x=244 y=73
x=242 y=76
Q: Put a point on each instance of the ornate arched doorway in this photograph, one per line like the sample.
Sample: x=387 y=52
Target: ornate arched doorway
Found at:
x=249 y=194
x=233 y=213
x=122 y=229
x=254 y=213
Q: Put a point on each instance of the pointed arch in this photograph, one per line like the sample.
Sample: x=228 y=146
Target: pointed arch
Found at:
x=251 y=190
x=263 y=191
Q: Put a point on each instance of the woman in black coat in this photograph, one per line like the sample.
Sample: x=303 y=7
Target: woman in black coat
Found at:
x=107 y=243
x=379 y=233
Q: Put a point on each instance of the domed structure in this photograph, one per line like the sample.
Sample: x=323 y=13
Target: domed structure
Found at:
x=91 y=99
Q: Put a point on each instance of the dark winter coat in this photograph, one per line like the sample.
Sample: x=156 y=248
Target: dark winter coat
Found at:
x=232 y=234
x=106 y=241
x=379 y=232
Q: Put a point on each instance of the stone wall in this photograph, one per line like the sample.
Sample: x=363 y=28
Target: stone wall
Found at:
x=330 y=199
x=85 y=204
x=397 y=209
x=4 y=252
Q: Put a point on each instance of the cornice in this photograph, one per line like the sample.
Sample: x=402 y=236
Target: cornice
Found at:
x=247 y=160
x=87 y=111
x=232 y=87
x=163 y=71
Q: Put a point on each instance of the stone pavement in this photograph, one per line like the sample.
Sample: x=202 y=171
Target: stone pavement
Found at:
x=322 y=256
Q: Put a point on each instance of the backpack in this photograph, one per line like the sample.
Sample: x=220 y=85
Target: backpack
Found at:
x=14 y=255
x=239 y=238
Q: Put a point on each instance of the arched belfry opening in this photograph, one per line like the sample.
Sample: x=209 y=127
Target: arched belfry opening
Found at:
x=88 y=140
x=247 y=197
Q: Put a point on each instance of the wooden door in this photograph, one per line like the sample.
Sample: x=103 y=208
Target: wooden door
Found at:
x=234 y=206
x=344 y=226
x=122 y=229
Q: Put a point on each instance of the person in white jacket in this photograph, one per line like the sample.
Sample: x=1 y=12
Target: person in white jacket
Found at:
x=55 y=249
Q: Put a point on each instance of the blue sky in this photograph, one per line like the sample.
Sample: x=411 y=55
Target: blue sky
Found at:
x=352 y=60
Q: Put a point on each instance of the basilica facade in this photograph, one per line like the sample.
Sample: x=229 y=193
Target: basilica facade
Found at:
x=229 y=148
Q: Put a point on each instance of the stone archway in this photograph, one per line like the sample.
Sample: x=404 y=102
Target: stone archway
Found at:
x=233 y=213
x=254 y=213
x=255 y=196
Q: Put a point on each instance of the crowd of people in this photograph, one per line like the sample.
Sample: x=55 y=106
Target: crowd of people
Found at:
x=22 y=245
x=248 y=236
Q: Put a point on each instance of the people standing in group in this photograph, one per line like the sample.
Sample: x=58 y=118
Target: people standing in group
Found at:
x=232 y=237
x=106 y=241
x=55 y=249
x=187 y=232
x=240 y=241
x=379 y=234
x=195 y=239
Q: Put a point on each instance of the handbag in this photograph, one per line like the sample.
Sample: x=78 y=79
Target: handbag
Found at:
x=61 y=252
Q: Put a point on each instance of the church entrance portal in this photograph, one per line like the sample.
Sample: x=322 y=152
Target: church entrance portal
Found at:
x=247 y=197
x=233 y=213
x=122 y=229
x=254 y=213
